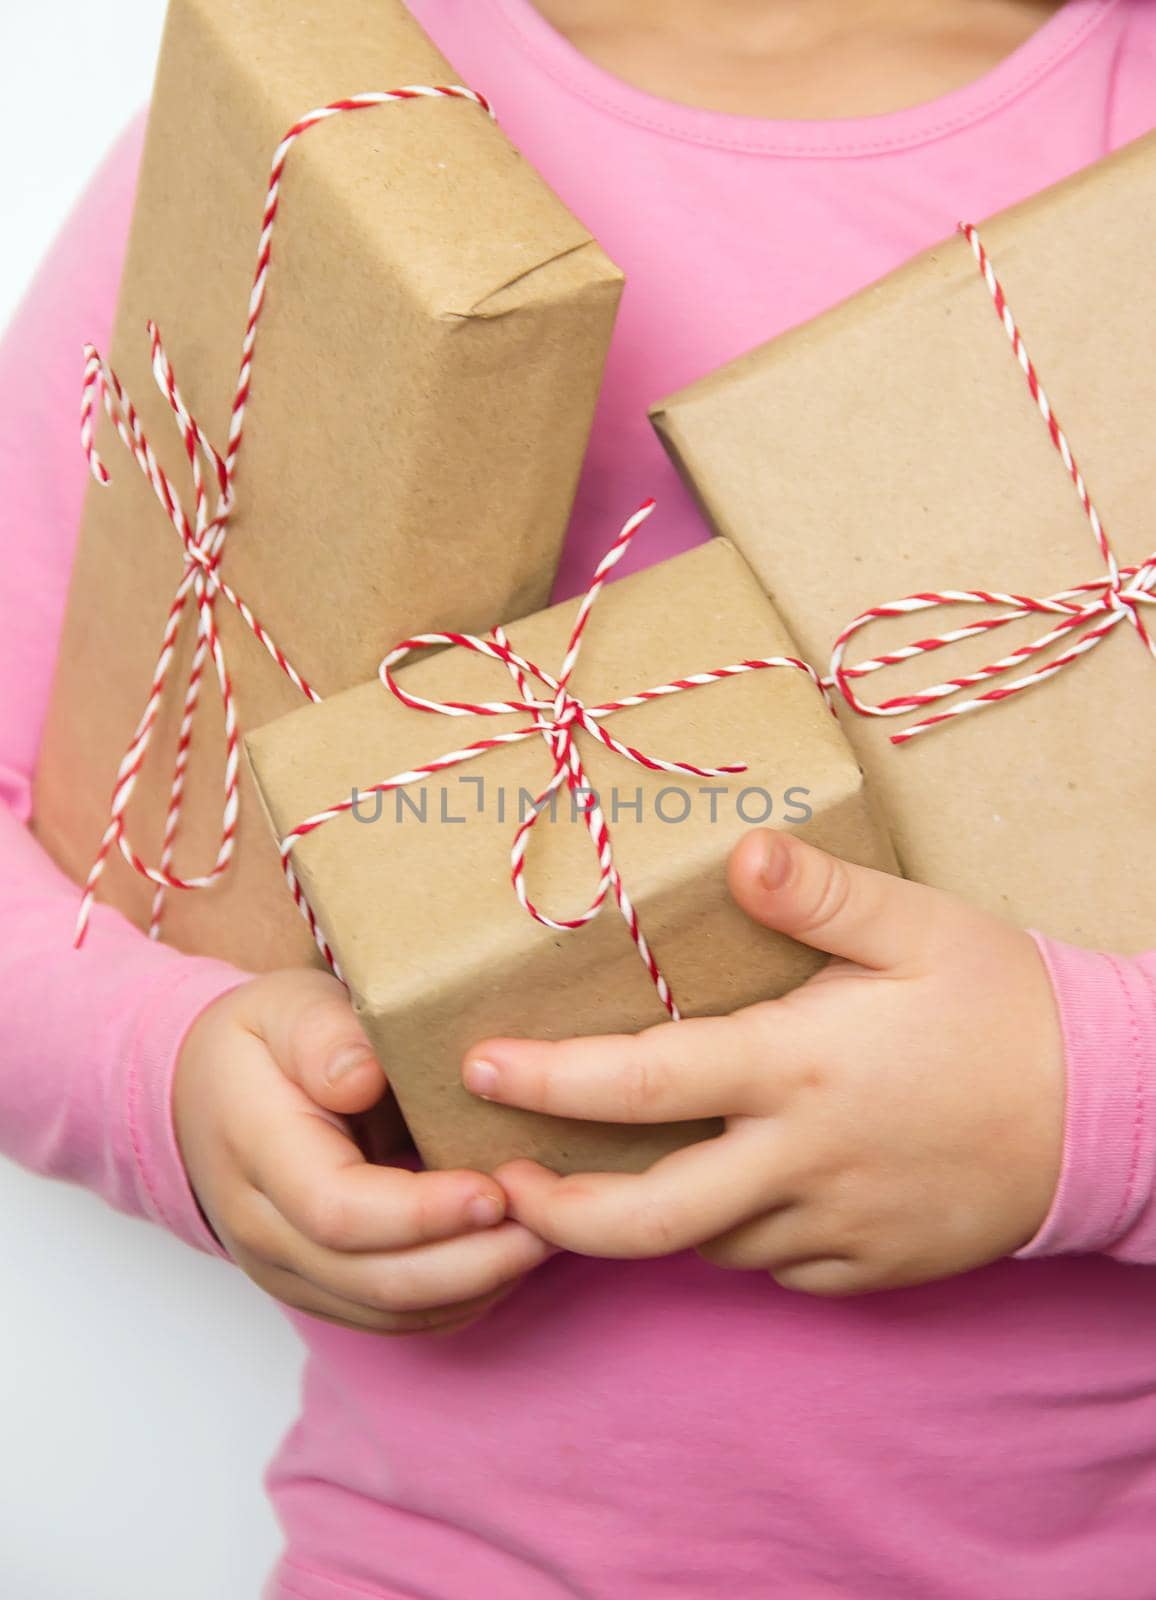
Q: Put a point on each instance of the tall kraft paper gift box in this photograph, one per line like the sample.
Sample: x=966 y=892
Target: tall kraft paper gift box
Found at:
x=414 y=895
x=425 y=372
x=893 y=447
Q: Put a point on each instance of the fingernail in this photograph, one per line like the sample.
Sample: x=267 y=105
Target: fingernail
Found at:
x=484 y=1210
x=481 y=1078
x=776 y=862
x=347 y=1061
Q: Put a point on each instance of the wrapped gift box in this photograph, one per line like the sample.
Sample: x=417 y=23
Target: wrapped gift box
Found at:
x=414 y=896
x=893 y=447
x=424 y=378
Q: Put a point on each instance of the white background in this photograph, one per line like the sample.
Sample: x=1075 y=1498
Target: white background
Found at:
x=142 y=1386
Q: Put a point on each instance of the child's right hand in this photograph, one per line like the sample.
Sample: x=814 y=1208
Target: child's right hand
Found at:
x=258 y=1104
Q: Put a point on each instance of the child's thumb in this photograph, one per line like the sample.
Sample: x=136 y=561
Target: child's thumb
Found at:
x=318 y=1043
x=855 y=912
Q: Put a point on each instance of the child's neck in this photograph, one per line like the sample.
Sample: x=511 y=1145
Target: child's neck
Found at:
x=798 y=58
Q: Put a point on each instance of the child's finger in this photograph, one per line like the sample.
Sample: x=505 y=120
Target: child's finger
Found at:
x=444 y=1273
x=865 y=916
x=688 y=1197
x=782 y=1238
x=316 y=1040
x=301 y=1295
x=316 y=1177
x=702 y=1067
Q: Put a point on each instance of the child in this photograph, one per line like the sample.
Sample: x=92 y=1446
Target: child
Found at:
x=985 y=1429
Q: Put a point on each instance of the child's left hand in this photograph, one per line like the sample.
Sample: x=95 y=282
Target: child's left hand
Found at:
x=899 y=1118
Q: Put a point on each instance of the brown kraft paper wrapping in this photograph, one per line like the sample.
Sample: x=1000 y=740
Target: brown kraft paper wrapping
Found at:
x=892 y=447
x=425 y=373
x=422 y=917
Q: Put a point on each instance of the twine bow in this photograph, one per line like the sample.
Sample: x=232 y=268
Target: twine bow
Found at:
x=202 y=534
x=1086 y=614
x=557 y=716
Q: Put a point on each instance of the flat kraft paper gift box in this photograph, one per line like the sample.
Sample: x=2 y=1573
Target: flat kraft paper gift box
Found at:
x=424 y=377
x=422 y=916
x=892 y=447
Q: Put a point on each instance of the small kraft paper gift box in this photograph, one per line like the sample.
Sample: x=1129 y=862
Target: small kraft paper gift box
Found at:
x=947 y=484
x=568 y=877
x=355 y=360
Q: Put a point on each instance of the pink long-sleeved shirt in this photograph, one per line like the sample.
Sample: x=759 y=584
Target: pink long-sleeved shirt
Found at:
x=630 y=1432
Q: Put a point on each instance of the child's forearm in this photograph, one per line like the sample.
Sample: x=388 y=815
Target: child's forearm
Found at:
x=88 y=1039
x=88 y=1042
x=1106 y=1200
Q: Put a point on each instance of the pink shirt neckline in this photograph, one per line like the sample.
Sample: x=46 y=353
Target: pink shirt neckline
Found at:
x=1052 y=43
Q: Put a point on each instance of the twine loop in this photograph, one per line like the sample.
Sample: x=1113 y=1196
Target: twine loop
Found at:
x=1080 y=619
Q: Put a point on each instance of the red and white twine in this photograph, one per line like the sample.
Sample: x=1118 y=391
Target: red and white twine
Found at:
x=1097 y=607
x=557 y=716
x=202 y=537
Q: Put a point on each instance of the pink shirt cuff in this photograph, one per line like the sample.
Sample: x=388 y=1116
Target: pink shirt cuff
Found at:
x=165 y=1191
x=1105 y=1200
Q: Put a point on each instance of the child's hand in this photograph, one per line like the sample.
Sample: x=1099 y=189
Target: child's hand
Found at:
x=263 y=1079
x=898 y=1118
